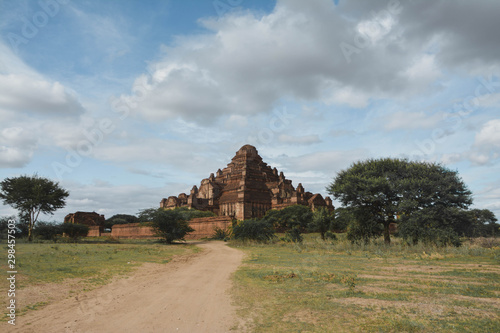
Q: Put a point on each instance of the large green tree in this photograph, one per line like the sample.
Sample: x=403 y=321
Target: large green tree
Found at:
x=377 y=191
x=32 y=195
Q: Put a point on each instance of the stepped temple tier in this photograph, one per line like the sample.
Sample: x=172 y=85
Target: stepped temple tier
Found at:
x=246 y=188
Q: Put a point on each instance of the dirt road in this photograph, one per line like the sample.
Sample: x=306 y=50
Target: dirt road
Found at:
x=189 y=294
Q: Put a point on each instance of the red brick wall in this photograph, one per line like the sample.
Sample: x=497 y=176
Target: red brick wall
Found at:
x=94 y=231
x=203 y=226
x=132 y=230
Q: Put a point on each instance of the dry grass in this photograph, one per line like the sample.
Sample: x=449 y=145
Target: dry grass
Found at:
x=340 y=287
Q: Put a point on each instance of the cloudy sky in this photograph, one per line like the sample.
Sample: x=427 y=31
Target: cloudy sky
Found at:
x=127 y=102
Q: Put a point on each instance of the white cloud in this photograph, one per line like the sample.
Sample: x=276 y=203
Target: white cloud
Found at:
x=487 y=100
x=108 y=199
x=247 y=63
x=22 y=89
x=451 y=158
x=411 y=120
x=489 y=135
x=377 y=27
x=22 y=93
x=300 y=140
x=348 y=96
x=422 y=72
x=328 y=162
x=486 y=147
x=235 y=120
x=17 y=147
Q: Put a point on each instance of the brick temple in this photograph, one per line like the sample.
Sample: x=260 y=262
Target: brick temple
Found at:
x=246 y=188
x=89 y=219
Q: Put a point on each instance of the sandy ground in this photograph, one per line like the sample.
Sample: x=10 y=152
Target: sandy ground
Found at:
x=189 y=294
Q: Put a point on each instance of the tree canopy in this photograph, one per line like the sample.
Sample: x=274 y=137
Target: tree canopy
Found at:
x=322 y=221
x=170 y=224
x=32 y=195
x=292 y=219
x=120 y=219
x=380 y=191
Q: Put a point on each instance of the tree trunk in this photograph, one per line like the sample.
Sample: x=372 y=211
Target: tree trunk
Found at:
x=30 y=226
x=387 y=234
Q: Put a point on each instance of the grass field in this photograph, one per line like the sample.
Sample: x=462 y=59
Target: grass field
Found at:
x=50 y=271
x=339 y=287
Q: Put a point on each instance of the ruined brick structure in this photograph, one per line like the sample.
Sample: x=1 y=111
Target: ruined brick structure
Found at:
x=246 y=188
x=94 y=221
x=89 y=219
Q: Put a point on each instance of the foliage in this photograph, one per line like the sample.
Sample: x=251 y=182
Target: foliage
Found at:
x=377 y=191
x=294 y=235
x=74 y=230
x=342 y=218
x=170 y=225
x=47 y=231
x=221 y=234
x=253 y=229
x=4 y=225
x=32 y=196
x=190 y=213
x=358 y=231
x=120 y=219
x=294 y=220
x=483 y=223
x=322 y=221
x=23 y=224
x=296 y=216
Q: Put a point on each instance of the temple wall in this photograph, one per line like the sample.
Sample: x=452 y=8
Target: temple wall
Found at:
x=204 y=227
x=94 y=231
x=132 y=230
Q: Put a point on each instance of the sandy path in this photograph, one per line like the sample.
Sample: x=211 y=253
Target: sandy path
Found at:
x=189 y=294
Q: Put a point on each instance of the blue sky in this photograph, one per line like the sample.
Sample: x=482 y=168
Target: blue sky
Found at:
x=127 y=102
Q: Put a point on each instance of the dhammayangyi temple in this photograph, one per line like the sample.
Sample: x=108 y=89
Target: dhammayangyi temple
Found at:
x=247 y=188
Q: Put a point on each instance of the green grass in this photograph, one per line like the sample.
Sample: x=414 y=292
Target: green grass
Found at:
x=94 y=262
x=340 y=287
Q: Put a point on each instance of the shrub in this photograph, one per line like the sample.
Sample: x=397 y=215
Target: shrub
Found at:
x=74 y=230
x=294 y=235
x=170 y=224
x=258 y=230
x=362 y=232
x=322 y=222
x=296 y=216
x=221 y=234
x=47 y=231
x=189 y=214
x=120 y=219
x=428 y=227
x=330 y=235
